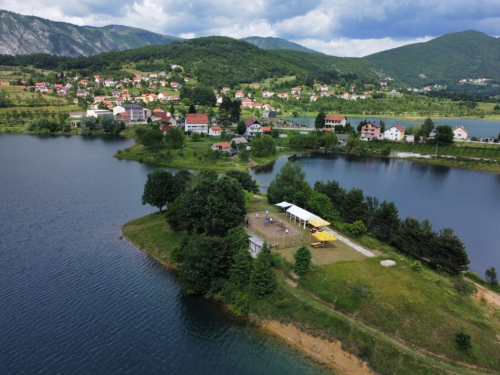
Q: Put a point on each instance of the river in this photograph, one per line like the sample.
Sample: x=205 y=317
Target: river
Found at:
x=478 y=128
x=467 y=201
x=77 y=299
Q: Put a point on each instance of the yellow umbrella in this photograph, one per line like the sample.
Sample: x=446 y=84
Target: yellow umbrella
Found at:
x=318 y=222
x=324 y=236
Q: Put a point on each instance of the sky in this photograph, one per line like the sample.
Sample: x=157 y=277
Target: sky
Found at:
x=335 y=27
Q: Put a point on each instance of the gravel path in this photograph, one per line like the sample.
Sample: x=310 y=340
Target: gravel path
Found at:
x=348 y=242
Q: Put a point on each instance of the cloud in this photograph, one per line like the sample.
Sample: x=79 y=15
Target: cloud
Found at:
x=356 y=47
x=341 y=27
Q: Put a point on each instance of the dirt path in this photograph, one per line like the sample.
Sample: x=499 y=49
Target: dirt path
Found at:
x=490 y=296
x=348 y=242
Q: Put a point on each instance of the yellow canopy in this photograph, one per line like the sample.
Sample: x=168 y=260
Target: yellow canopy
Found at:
x=324 y=236
x=318 y=222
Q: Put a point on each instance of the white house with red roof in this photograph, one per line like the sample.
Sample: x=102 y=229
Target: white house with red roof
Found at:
x=267 y=94
x=331 y=121
x=283 y=95
x=175 y=86
x=196 y=123
x=253 y=127
x=296 y=90
x=395 y=133
x=222 y=147
x=460 y=134
x=215 y=130
x=239 y=94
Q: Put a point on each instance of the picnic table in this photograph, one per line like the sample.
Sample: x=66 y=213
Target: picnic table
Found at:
x=316 y=244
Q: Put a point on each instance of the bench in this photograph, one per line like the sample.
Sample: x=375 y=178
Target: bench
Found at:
x=316 y=244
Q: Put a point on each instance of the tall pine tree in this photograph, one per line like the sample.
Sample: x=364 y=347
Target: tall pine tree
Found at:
x=263 y=278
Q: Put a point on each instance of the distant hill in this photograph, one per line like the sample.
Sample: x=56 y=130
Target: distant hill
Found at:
x=27 y=34
x=276 y=43
x=446 y=59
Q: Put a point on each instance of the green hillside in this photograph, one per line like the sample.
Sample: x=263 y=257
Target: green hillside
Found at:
x=276 y=43
x=214 y=61
x=446 y=59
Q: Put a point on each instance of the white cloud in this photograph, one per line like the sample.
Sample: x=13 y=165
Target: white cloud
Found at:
x=356 y=47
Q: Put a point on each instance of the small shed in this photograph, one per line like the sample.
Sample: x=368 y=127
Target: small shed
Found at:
x=255 y=245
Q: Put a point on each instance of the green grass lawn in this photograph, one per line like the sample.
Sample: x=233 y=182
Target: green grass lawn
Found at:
x=421 y=308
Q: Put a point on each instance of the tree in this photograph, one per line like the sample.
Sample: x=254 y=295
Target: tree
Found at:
x=263 y=278
x=355 y=207
x=329 y=139
x=109 y=124
x=352 y=141
x=175 y=138
x=319 y=123
x=491 y=276
x=236 y=110
x=333 y=191
x=182 y=179
x=244 y=155
x=245 y=180
x=321 y=205
x=240 y=272
x=213 y=206
x=263 y=146
x=241 y=128
x=87 y=124
x=386 y=221
x=450 y=252
x=302 y=260
x=152 y=138
x=444 y=135
x=159 y=189
x=192 y=108
x=463 y=341
x=426 y=128
x=287 y=182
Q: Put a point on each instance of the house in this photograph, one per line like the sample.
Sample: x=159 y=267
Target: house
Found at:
x=109 y=83
x=331 y=121
x=239 y=94
x=135 y=111
x=253 y=127
x=98 y=112
x=119 y=101
x=163 y=96
x=313 y=98
x=152 y=98
x=370 y=131
x=116 y=93
x=395 y=133
x=222 y=147
x=158 y=113
x=82 y=93
x=123 y=116
x=267 y=94
x=240 y=141
x=98 y=99
x=460 y=134
x=296 y=90
x=283 y=95
x=175 y=86
x=225 y=89
x=166 y=128
x=215 y=130
x=197 y=123
x=186 y=79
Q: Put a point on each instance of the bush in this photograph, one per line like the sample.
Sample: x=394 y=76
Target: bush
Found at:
x=355 y=229
x=463 y=341
x=463 y=287
x=302 y=260
x=417 y=266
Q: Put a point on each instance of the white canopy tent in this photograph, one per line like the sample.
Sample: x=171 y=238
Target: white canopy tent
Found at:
x=301 y=215
x=284 y=205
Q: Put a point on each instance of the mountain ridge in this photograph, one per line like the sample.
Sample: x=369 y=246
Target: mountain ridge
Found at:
x=276 y=43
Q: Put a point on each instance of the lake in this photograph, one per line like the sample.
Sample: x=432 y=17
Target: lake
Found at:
x=478 y=128
x=77 y=299
x=467 y=201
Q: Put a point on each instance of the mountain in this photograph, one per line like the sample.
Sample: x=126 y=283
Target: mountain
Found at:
x=276 y=43
x=27 y=34
x=446 y=59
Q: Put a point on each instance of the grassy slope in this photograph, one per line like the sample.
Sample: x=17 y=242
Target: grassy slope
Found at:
x=422 y=307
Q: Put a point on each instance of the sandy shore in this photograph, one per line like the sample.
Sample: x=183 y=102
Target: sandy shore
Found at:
x=323 y=351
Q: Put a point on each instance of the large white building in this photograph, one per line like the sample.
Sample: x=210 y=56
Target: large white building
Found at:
x=395 y=133
x=196 y=123
x=135 y=111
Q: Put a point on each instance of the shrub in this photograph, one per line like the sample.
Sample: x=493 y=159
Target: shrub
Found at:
x=463 y=341
x=417 y=266
x=355 y=229
x=463 y=287
x=302 y=260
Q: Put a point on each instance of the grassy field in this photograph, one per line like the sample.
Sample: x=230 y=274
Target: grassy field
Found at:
x=394 y=318
x=192 y=156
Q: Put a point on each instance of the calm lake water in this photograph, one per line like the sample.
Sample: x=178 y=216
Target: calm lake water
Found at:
x=75 y=299
x=479 y=128
x=467 y=201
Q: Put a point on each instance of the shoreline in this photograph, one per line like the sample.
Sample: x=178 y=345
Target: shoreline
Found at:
x=322 y=351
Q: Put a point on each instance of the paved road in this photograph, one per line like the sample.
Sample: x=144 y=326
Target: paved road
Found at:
x=348 y=242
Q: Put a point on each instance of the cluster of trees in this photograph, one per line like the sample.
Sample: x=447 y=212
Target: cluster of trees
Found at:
x=106 y=123
x=199 y=95
x=357 y=214
x=230 y=110
x=42 y=125
x=312 y=140
x=213 y=255
x=153 y=139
